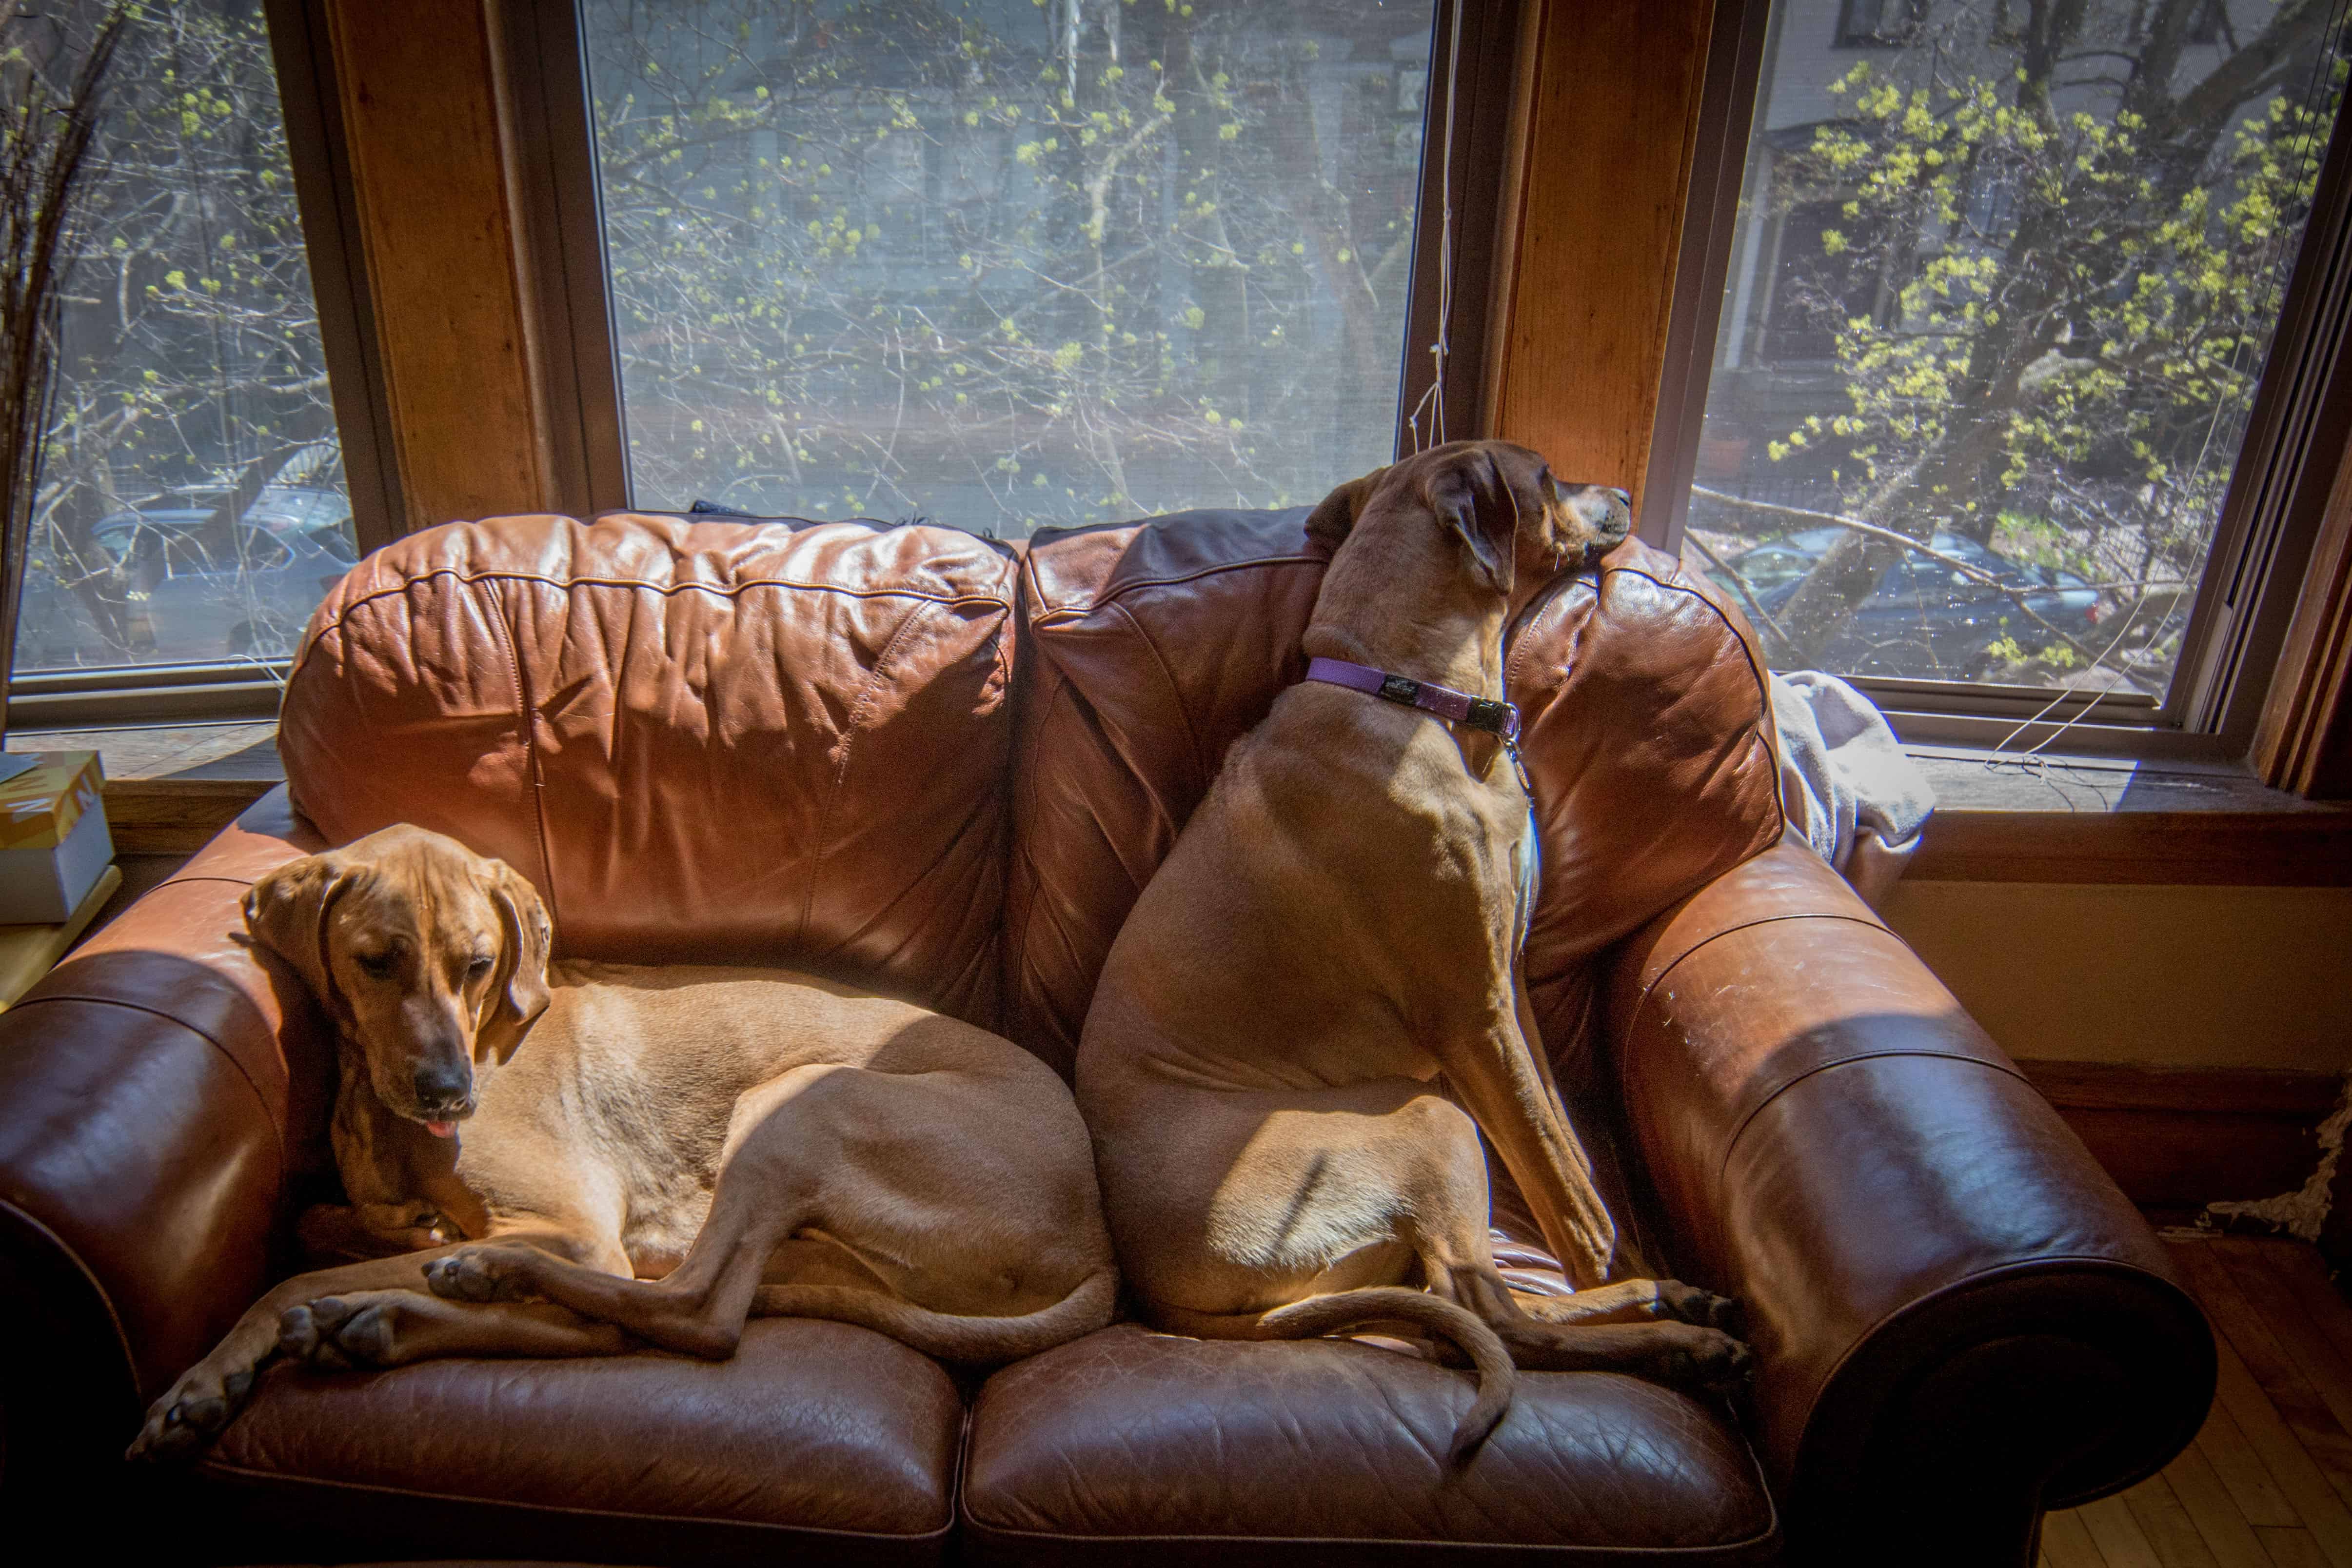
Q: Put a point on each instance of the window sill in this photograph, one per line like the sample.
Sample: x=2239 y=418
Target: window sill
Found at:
x=1998 y=819
x=169 y=788
x=2117 y=820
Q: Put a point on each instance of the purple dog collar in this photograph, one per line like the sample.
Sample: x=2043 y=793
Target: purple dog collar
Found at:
x=1479 y=712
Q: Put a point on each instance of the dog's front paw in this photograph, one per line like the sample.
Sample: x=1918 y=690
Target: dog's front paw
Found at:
x=198 y=1408
x=480 y=1274
x=343 y=1333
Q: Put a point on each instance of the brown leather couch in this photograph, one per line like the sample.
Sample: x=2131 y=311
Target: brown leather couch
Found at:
x=947 y=765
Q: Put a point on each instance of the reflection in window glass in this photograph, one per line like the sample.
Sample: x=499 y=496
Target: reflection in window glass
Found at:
x=192 y=504
x=1007 y=263
x=2003 y=284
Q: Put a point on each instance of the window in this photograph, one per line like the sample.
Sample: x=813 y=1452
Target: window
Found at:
x=1817 y=282
x=1006 y=264
x=191 y=505
x=1877 y=23
x=1994 y=327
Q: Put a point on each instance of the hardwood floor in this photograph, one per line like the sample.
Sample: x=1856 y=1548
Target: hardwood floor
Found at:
x=2268 y=1483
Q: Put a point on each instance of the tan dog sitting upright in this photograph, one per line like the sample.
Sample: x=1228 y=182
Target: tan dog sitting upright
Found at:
x=874 y=1163
x=1336 y=926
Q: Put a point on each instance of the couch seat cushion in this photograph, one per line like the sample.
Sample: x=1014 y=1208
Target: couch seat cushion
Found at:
x=1177 y=1450
x=818 y=1441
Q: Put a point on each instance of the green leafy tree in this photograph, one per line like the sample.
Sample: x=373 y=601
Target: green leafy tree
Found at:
x=2071 y=225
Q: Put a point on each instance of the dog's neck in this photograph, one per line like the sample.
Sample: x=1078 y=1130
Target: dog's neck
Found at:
x=1411 y=611
x=383 y=1157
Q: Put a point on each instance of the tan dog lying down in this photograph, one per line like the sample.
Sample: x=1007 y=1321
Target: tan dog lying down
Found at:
x=1339 y=924
x=874 y=1163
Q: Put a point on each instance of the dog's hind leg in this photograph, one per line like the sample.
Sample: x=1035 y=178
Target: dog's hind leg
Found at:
x=768 y=1178
x=1678 y=1354
x=1449 y=1204
x=1429 y=1150
x=1633 y=1301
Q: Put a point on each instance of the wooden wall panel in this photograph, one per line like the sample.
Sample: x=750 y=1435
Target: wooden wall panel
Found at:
x=1608 y=158
x=2167 y=975
x=2309 y=848
x=2180 y=1137
x=151 y=816
x=423 y=128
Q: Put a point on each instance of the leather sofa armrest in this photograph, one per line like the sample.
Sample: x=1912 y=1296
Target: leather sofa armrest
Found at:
x=1958 y=1319
x=148 y=1086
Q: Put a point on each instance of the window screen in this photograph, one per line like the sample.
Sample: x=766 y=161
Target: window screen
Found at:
x=1006 y=264
x=191 y=505
x=1999 y=297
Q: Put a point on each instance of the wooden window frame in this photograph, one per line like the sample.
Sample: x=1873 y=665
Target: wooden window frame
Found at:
x=445 y=172
x=1481 y=70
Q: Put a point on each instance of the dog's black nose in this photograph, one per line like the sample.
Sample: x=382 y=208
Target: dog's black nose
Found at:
x=442 y=1088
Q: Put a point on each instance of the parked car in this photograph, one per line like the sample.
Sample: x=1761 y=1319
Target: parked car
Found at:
x=55 y=628
x=1924 y=620
x=190 y=589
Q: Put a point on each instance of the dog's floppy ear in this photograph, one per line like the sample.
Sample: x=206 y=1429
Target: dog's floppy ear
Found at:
x=288 y=911
x=1476 y=500
x=519 y=989
x=1330 y=523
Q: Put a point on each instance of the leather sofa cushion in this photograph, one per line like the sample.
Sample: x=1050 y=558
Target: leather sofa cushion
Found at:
x=701 y=740
x=1153 y=647
x=1144 y=1447
x=1648 y=738
x=818 y=1441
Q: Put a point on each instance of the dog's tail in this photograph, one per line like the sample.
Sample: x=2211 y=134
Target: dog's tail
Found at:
x=947 y=1336
x=1374 y=1304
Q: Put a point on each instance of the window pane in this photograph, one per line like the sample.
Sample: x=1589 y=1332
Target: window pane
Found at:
x=1006 y=264
x=192 y=503
x=2004 y=281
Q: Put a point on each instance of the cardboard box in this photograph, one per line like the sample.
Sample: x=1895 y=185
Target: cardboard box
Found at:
x=29 y=951
x=54 y=843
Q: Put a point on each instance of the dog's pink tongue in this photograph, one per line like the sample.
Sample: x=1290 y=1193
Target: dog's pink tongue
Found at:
x=442 y=1129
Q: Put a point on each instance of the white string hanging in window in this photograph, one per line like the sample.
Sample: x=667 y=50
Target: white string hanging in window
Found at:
x=1431 y=402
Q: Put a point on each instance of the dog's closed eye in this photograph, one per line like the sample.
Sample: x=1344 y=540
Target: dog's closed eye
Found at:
x=478 y=967
x=380 y=964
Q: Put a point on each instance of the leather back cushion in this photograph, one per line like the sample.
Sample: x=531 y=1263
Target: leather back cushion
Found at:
x=707 y=741
x=1150 y=650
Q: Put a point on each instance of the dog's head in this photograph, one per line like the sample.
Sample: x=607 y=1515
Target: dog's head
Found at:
x=1499 y=500
x=431 y=959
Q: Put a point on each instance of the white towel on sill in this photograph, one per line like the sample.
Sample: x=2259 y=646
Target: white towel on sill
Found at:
x=1849 y=790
